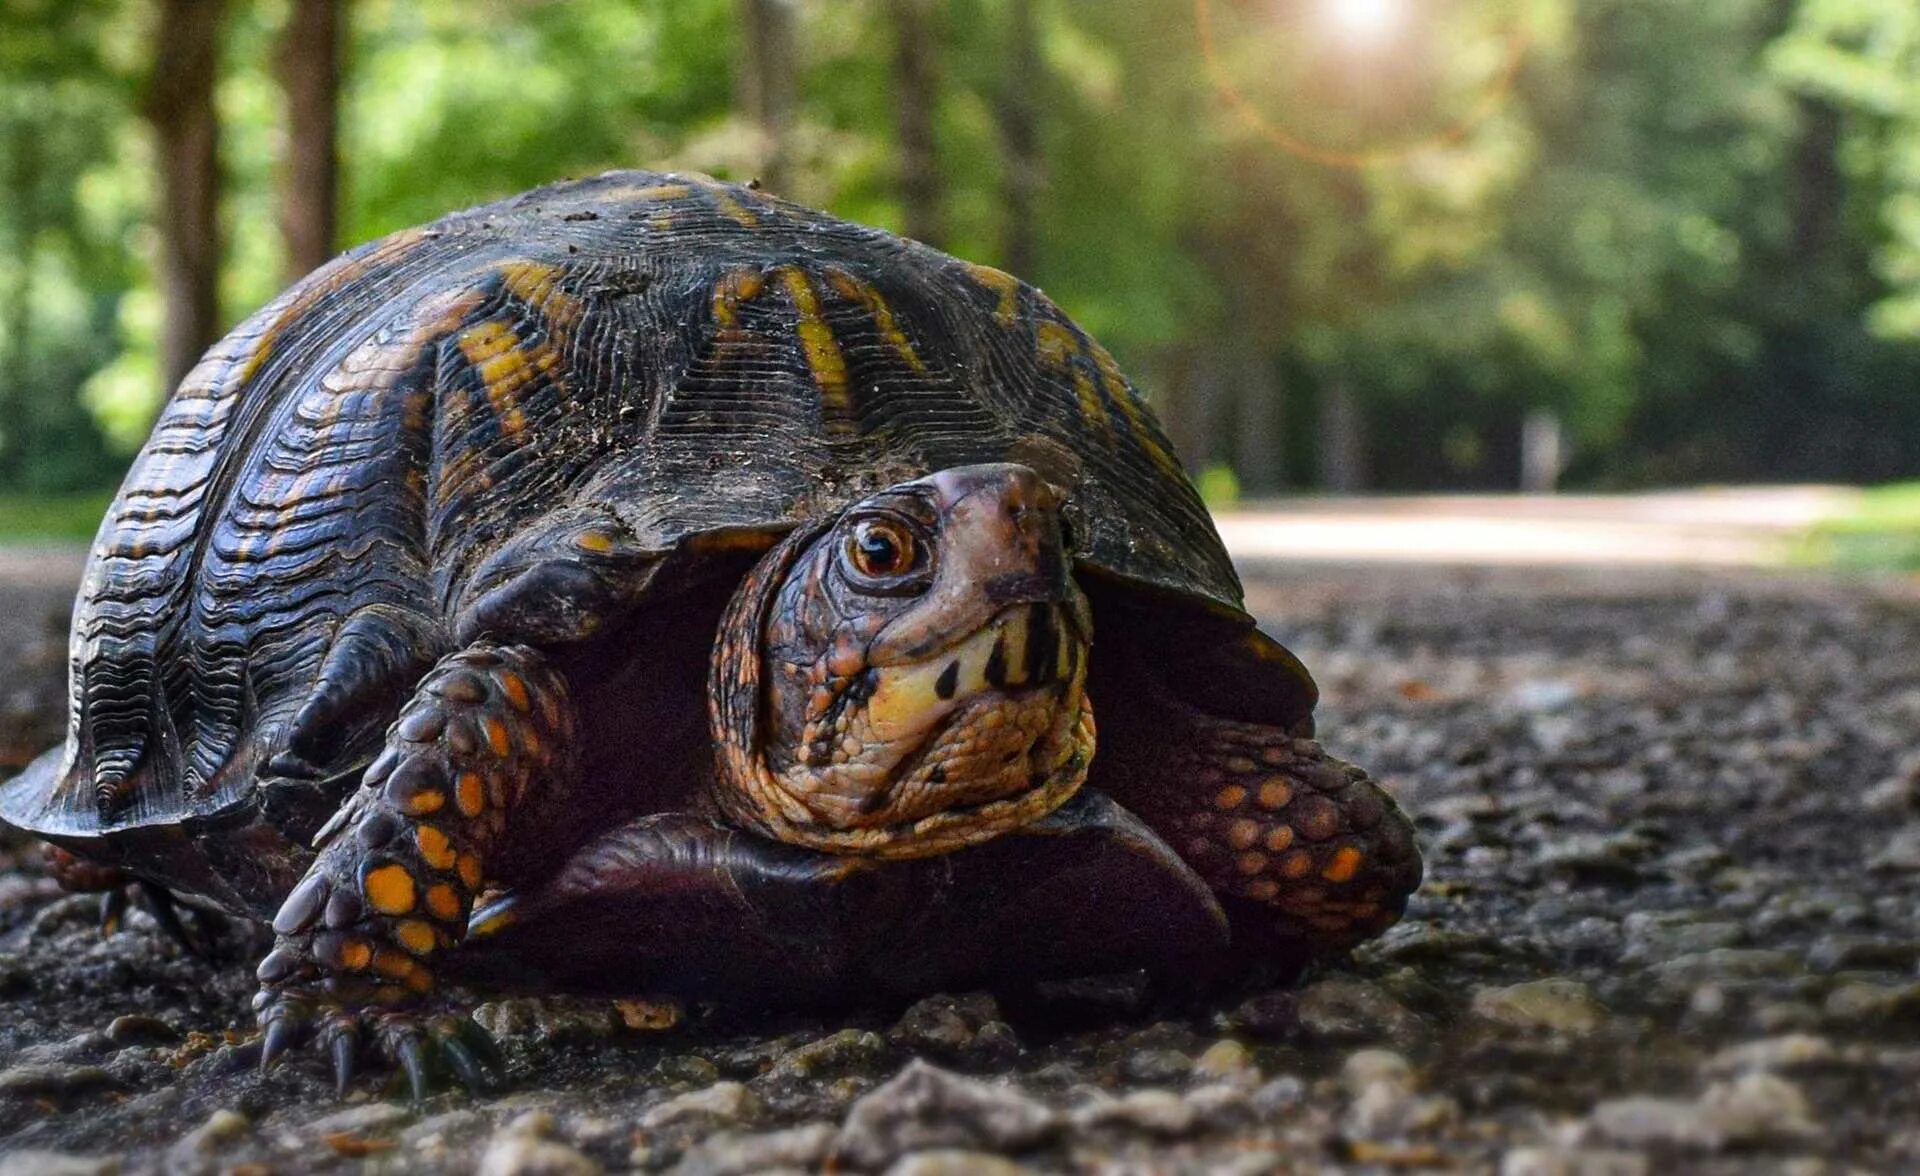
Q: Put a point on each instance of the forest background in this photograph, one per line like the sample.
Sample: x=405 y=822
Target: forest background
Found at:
x=1344 y=245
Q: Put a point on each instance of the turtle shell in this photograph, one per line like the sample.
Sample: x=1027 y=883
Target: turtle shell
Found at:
x=615 y=367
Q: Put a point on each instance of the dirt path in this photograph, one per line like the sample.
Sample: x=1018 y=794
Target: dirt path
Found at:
x=1672 y=923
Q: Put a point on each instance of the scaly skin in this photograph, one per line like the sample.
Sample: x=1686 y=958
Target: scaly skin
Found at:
x=488 y=734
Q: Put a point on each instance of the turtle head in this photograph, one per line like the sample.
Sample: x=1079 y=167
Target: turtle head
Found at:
x=908 y=677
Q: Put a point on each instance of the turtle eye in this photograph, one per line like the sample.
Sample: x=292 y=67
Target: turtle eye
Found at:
x=881 y=548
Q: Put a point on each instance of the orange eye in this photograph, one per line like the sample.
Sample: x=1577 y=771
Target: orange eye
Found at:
x=880 y=548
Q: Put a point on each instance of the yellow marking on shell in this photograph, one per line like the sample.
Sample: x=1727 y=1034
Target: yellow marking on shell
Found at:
x=425 y=801
x=1003 y=284
x=853 y=289
x=416 y=936
x=435 y=849
x=470 y=794
x=507 y=367
x=514 y=687
x=498 y=738
x=1133 y=410
x=824 y=360
x=725 y=204
x=538 y=285
x=1344 y=865
x=596 y=542
x=443 y=902
x=1058 y=348
x=734 y=288
x=389 y=889
x=355 y=954
x=469 y=867
x=649 y=192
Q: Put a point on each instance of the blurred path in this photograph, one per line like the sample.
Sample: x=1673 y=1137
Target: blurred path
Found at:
x=1738 y=527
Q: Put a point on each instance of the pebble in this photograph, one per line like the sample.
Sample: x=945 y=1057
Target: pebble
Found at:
x=954 y=1162
x=52 y=1163
x=1156 y=1112
x=968 y=1027
x=1555 y=1161
x=734 y=1153
x=222 y=1127
x=1156 y=1066
x=1901 y=854
x=1340 y=1009
x=1753 y=1108
x=140 y=1029
x=722 y=1104
x=1551 y=1005
x=924 y=1106
x=1870 y=1005
x=1226 y=1060
x=513 y=1153
x=52 y=1078
x=848 y=1051
x=370 y=1119
x=1794 y=1051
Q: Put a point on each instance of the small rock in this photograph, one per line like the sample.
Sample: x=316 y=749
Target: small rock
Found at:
x=51 y=1163
x=1641 y=1121
x=722 y=1104
x=1279 y=1096
x=1861 y=1003
x=221 y=1128
x=548 y=1020
x=1552 y=1005
x=446 y=1129
x=1268 y=1014
x=1791 y=1052
x=956 y=1163
x=1340 y=1009
x=1901 y=854
x=733 y=1153
x=1653 y=937
x=1373 y=1067
x=140 y=1029
x=955 y=1027
x=52 y=1078
x=1893 y=796
x=848 y=1051
x=926 y=1107
x=370 y=1119
x=1724 y=964
x=517 y=1153
x=1841 y=953
x=1227 y=1060
x=1553 y=1161
x=1156 y=1066
x=1752 y=1108
x=1157 y=1112
x=1221 y=1106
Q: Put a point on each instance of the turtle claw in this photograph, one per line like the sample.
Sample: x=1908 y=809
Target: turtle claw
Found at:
x=421 y=1049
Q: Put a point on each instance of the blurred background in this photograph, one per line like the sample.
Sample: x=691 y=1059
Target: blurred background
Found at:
x=1346 y=246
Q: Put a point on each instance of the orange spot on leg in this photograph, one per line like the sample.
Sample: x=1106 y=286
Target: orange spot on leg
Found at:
x=470 y=795
x=443 y=903
x=1345 y=864
x=416 y=936
x=389 y=889
x=1230 y=797
x=435 y=849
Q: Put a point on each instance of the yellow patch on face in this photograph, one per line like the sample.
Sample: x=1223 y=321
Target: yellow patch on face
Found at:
x=470 y=794
x=389 y=889
x=435 y=849
x=824 y=360
x=1002 y=283
x=734 y=288
x=1343 y=866
x=852 y=289
x=414 y=935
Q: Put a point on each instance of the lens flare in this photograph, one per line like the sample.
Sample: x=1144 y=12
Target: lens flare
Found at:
x=1366 y=22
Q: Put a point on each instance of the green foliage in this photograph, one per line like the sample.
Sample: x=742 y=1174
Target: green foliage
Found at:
x=1692 y=230
x=1882 y=533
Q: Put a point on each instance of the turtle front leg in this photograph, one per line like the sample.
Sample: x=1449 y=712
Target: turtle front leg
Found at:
x=487 y=736
x=1308 y=855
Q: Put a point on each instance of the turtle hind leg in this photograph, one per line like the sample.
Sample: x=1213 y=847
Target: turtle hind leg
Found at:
x=1308 y=855
x=485 y=742
x=119 y=890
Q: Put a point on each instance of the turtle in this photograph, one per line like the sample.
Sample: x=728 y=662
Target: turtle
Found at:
x=648 y=584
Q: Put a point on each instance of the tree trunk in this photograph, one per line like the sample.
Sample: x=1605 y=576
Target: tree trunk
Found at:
x=309 y=67
x=16 y=379
x=1259 y=458
x=915 y=94
x=764 y=83
x=1020 y=140
x=1343 y=439
x=179 y=103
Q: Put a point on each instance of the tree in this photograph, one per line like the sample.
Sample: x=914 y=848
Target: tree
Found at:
x=308 y=63
x=915 y=95
x=180 y=107
x=765 y=83
x=1019 y=123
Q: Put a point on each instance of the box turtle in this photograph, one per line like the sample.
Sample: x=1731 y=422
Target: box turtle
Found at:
x=644 y=584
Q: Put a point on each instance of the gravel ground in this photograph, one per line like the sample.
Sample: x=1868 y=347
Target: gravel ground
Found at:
x=1673 y=922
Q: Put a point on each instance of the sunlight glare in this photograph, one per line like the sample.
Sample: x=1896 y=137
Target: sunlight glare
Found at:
x=1366 y=22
